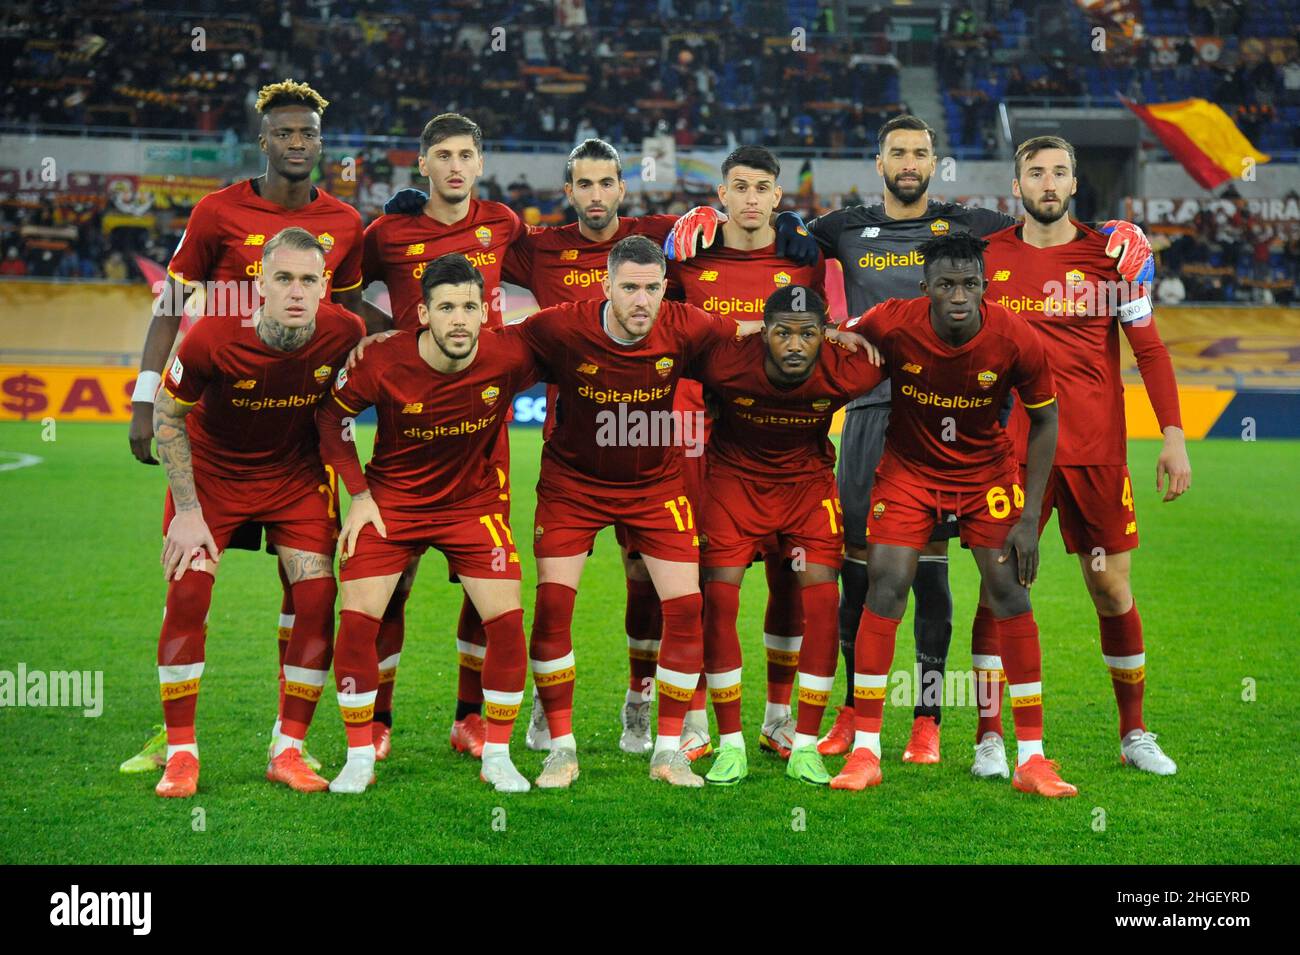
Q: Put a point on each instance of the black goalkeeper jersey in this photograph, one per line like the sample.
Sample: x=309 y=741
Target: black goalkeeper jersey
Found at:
x=879 y=254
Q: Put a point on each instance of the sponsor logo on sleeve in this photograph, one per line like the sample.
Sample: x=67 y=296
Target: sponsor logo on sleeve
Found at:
x=177 y=369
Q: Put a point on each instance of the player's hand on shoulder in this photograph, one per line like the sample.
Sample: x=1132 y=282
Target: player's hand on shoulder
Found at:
x=1023 y=539
x=356 y=354
x=1173 y=467
x=405 y=202
x=362 y=511
x=187 y=540
x=854 y=343
x=695 y=230
x=794 y=241
x=141 y=433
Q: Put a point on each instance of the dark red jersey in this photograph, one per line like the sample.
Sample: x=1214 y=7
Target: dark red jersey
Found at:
x=615 y=433
x=562 y=265
x=1077 y=302
x=943 y=421
x=436 y=431
x=227 y=229
x=735 y=283
x=255 y=405
x=774 y=433
x=399 y=247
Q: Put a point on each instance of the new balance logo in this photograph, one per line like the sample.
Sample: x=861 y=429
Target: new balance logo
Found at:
x=416 y=249
x=870 y=232
x=246 y=383
x=256 y=239
x=414 y=407
x=587 y=368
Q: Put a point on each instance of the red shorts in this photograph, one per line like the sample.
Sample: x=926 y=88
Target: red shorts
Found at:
x=739 y=518
x=660 y=525
x=1094 y=507
x=297 y=512
x=693 y=478
x=904 y=513
x=499 y=457
x=476 y=543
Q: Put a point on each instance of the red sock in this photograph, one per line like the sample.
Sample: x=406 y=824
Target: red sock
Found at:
x=471 y=648
x=285 y=629
x=505 y=667
x=551 y=655
x=356 y=675
x=388 y=648
x=783 y=628
x=643 y=621
x=821 y=608
x=722 y=655
x=700 y=698
x=1123 y=651
x=681 y=658
x=307 y=657
x=986 y=661
x=180 y=653
x=873 y=655
x=1023 y=661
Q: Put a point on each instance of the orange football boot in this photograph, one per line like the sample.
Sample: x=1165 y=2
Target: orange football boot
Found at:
x=1039 y=775
x=290 y=768
x=180 y=778
x=840 y=739
x=383 y=740
x=862 y=769
x=923 y=747
x=468 y=735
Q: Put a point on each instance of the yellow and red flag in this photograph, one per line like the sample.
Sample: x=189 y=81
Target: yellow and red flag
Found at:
x=1201 y=136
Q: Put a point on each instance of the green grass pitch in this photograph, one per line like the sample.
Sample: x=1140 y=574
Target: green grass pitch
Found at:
x=1215 y=580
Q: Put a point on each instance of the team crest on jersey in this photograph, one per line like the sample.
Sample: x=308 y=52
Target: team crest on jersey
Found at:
x=986 y=379
x=664 y=366
x=326 y=240
x=709 y=275
x=568 y=255
x=490 y=395
x=245 y=383
x=587 y=368
x=744 y=402
x=878 y=511
x=1074 y=277
x=255 y=239
x=781 y=278
x=484 y=235
x=1002 y=275
x=939 y=227
x=870 y=232
x=341 y=378
x=538 y=531
x=322 y=373
x=912 y=368
x=177 y=369
x=415 y=249
x=821 y=404
x=413 y=407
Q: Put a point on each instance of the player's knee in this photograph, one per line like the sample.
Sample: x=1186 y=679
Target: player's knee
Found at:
x=1007 y=599
x=1111 y=597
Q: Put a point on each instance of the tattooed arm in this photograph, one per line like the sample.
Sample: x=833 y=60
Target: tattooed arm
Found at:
x=187 y=534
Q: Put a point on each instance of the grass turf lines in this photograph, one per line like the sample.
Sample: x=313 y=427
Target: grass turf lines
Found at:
x=82 y=589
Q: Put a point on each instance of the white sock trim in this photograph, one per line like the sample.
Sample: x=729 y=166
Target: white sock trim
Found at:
x=722 y=681
x=552 y=666
x=784 y=644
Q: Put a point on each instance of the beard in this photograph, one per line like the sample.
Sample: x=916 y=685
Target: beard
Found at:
x=1046 y=216
x=454 y=350
x=595 y=225
x=909 y=193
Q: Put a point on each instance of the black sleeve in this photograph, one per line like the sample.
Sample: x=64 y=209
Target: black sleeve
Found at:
x=826 y=230
x=987 y=221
